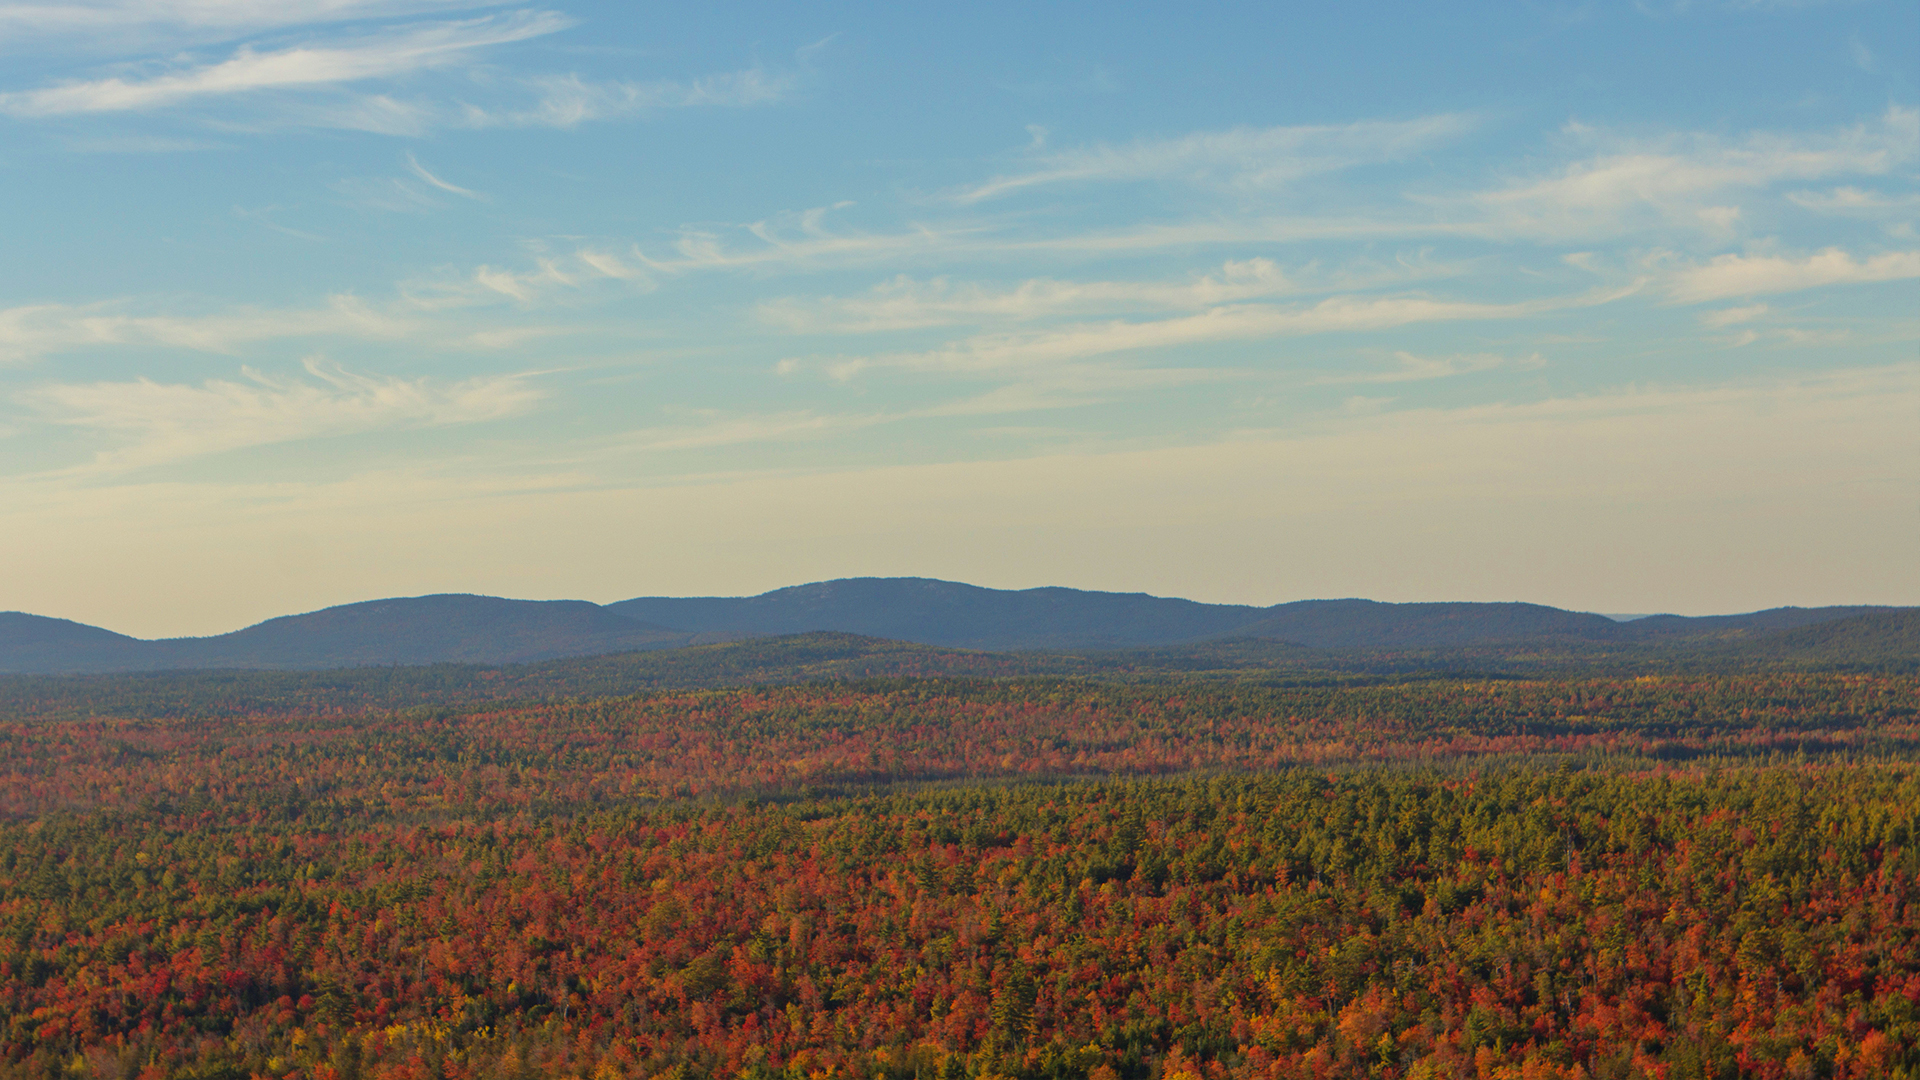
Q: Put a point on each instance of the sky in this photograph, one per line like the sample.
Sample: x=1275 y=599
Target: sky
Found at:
x=1610 y=306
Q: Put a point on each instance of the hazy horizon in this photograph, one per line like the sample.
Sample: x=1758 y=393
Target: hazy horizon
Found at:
x=1603 y=307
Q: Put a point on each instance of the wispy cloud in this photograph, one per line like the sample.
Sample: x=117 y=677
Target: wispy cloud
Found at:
x=263 y=216
x=121 y=22
x=1683 y=188
x=419 y=170
x=800 y=240
x=905 y=303
x=1416 y=368
x=1690 y=182
x=419 y=191
x=805 y=241
x=377 y=114
x=565 y=101
x=1733 y=316
x=1863 y=57
x=1241 y=157
x=36 y=330
x=522 y=286
x=551 y=277
x=420 y=313
x=712 y=429
x=1241 y=322
x=608 y=264
x=1730 y=276
x=322 y=82
x=1856 y=201
x=41 y=329
x=125 y=143
x=397 y=194
x=1057 y=387
x=346 y=60
x=155 y=423
x=1073 y=385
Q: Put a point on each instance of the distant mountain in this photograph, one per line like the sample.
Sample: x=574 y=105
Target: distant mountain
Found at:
x=1369 y=624
x=1670 y=627
x=424 y=630
x=35 y=643
x=1876 y=638
x=411 y=630
x=945 y=614
x=948 y=613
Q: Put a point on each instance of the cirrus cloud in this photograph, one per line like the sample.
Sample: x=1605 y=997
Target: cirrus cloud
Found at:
x=1729 y=276
x=904 y=303
x=156 y=423
x=387 y=53
x=1692 y=183
x=41 y=329
x=1238 y=157
x=124 y=22
x=322 y=83
x=1233 y=322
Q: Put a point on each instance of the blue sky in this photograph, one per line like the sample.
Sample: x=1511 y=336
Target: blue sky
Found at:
x=1612 y=306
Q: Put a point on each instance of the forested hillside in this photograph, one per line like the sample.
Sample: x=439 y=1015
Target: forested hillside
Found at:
x=1888 y=639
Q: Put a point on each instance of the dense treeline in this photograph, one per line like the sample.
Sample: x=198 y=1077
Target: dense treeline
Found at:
x=1755 y=923
x=774 y=740
x=1043 y=878
x=795 y=658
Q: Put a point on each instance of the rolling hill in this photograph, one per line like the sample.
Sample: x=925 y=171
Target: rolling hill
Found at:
x=412 y=630
x=1879 y=639
x=37 y=643
x=1368 y=624
x=932 y=612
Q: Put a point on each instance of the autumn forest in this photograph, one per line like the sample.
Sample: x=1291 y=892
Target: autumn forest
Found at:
x=1165 y=878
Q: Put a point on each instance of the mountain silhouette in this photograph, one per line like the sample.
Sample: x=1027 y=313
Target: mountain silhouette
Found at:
x=408 y=630
x=932 y=612
x=462 y=628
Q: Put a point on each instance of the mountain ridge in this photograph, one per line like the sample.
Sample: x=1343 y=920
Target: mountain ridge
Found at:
x=440 y=628
x=467 y=628
x=934 y=612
